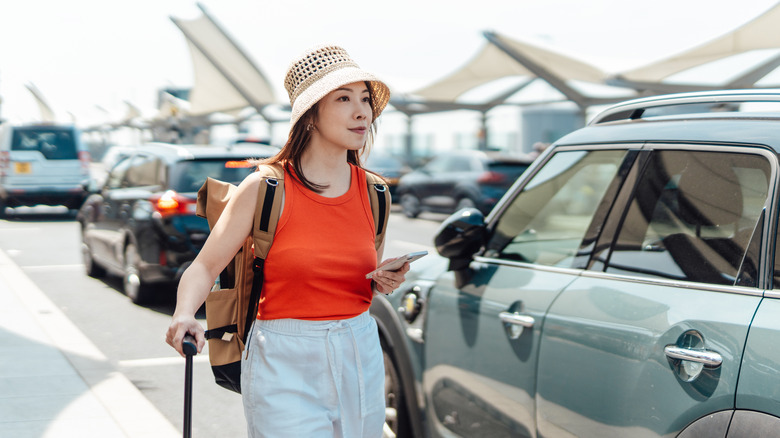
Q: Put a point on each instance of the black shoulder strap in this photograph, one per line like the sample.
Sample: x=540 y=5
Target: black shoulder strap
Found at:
x=269 y=207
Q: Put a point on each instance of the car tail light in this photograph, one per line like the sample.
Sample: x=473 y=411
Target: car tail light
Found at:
x=4 y=162
x=84 y=159
x=235 y=164
x=492 y=178
x=171 y=203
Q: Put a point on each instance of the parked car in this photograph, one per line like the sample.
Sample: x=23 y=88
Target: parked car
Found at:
x=142 y=225
x=390 y=167
x=42 y=164
x=625 y=286
x=459 y=179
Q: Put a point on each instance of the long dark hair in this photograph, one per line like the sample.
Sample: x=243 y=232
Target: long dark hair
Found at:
x=291 y=153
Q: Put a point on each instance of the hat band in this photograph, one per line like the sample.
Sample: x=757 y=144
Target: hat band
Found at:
x=306 y=83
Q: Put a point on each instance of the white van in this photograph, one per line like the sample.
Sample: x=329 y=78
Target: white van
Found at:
x=42 y=164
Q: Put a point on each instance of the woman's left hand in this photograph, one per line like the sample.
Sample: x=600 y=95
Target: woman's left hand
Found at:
x=387 y=281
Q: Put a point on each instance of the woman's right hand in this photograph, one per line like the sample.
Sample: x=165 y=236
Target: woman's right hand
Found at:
x=180 y=326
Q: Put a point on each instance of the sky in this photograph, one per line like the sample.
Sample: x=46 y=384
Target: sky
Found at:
x=87 y=57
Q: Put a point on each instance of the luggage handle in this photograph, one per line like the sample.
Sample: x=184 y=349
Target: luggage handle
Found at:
x=190 y=349
x=189 y=346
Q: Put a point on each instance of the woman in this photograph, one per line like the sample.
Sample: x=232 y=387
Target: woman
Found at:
x=314 y=364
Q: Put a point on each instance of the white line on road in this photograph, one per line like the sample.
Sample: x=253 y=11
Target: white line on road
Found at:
x=411 y=246
x=159 y=361
x=47 y=267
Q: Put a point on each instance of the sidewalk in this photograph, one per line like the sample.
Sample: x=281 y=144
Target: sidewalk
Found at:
x=54 y=383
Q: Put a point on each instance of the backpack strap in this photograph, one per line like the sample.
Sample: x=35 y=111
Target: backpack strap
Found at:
x=379 y=195
x=270 y=195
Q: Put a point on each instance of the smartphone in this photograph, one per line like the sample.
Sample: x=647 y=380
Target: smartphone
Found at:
x=399 y=262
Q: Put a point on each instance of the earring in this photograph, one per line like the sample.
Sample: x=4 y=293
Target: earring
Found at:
x=310 y=127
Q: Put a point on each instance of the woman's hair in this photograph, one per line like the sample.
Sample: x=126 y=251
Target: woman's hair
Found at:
x=299 y=139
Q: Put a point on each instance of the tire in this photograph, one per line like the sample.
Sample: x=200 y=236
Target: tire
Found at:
x=396 y=409
x=410 y=205
x=92 y=268
x=133 y=287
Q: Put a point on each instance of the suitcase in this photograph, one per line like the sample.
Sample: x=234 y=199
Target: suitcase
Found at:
x=190 y=349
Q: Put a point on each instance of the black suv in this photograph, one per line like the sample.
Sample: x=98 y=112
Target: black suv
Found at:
x=628 y=284
x=142 y=225
x=459 y=179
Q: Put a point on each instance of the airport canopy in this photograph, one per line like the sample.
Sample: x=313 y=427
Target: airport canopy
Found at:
x=505 y=57
x=493 y=63
x=226 y=79
x=757 y=34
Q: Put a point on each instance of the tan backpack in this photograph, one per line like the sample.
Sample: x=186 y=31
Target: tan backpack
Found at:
x=231 y=307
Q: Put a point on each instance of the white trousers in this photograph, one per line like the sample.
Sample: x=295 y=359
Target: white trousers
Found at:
x=304 y=378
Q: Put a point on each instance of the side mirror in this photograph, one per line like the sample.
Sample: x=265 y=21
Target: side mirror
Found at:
x=461 y=236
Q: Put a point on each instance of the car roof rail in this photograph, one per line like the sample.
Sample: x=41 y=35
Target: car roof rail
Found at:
x=636 y=108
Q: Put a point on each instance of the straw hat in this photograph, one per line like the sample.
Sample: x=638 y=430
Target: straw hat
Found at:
x=322 y=70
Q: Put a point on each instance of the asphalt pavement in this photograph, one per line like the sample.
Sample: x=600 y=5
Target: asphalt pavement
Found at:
x=54 y=383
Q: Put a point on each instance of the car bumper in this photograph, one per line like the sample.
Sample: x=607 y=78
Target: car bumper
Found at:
x=21 y=196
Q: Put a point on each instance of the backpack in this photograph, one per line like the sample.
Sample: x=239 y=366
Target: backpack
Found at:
x=231 y=307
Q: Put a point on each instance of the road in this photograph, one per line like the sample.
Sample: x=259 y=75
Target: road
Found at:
x=44 y=243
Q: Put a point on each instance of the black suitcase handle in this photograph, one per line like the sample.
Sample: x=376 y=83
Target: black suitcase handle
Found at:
x=190 y=349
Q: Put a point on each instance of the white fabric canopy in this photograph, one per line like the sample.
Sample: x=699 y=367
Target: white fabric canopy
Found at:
x=492 y=63
x=760 y=33
x=226 y=80
x=47 y=114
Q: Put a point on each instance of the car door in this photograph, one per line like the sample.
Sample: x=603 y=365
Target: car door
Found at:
x=651 y=338
x=100 y=229
x=430 y=186
x=124 y=188
x=483 y=324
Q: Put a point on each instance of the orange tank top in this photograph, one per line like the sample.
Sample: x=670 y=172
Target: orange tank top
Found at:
x=322 y=249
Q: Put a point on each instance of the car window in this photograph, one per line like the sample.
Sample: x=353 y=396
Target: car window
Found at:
x=437 y=164
x=54 y=143
x=461 y=164
x=547 y=221
x=509 y=168
x=143 y=172
x=117 y=174
x=692 y=218
x=189 y=176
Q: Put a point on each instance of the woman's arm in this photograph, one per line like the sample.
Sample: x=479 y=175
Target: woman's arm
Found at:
x=224 y=241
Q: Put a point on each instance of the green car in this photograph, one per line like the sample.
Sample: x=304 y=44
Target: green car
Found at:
x=623 y=287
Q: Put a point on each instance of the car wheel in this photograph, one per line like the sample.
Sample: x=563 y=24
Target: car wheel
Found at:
x=465 y=203
x=131 y=280
x=396 y=413
x=92 y=268
x=410 y=205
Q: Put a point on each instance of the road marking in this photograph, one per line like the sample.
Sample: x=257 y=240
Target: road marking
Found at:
x=41 y=267
x=411 y=246
x=159 y=361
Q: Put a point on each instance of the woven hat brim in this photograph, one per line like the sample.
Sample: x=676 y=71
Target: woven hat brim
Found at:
x=333 y=80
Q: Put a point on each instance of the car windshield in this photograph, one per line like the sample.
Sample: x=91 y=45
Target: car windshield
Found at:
x=54 y=143
x=189 y=176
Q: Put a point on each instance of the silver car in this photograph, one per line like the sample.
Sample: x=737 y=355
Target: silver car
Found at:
x=42 y=164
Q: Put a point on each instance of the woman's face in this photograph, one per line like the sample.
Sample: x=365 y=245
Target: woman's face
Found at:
x=344 y=117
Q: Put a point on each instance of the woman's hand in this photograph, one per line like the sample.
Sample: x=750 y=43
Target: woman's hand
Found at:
x=180 y=326
x=387 y=281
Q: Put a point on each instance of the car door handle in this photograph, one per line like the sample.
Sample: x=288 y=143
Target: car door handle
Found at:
x=516 y=323
x=708 y=358
x=517 y=319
